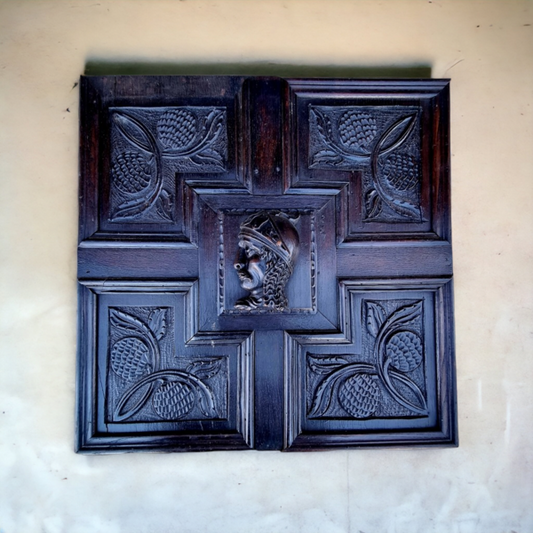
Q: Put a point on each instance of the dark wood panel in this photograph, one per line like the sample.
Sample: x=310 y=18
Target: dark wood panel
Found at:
x=143 y=140
x=395 y=260
x=123 y=262
x=263 y=100
x=381 y=145
x=264 y=263
x=153 y=380
x=385 y=380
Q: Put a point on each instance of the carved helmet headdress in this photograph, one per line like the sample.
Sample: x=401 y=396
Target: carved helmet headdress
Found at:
x=271 y=231
x=273 y=236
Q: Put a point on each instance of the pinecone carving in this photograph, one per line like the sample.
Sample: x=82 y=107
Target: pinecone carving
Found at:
x=131 y=172
x=404 y=350
x=173 y=400
x=177 y=128
x=129 y=358
x=401 y=172
x=357 y=130
x=359 y=396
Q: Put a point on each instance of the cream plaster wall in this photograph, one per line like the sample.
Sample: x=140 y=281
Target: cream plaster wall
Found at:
x=485 y=485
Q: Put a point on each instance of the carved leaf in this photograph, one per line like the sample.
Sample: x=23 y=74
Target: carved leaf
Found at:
x=406 y=208
x=404 y=315
x=158 y=323
x=131 y=403
x=127 y=322
x=359 y=395
x=323 y=124
x=208 y=157
x=164 y=206
x=206 y=368
x=325 y=364
x=214 y=123
x=375 y=316
x=134 y=131
x=207 y=402
x=373 y=204
x=328 y=157
x=419 y=409
x=324 y=395
x=130 y=208
x=396 y=135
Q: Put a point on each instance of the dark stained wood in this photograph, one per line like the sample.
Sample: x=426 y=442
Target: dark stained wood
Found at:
x=264 y=263
x=263 y=106
x=119 y=262
x=411 y=258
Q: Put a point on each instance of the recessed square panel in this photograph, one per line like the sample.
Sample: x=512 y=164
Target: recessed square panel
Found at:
x=290 y=233
x=291 y=283
x=154 y=376
x=376 y=141
x=381 y=376
x=143 y=152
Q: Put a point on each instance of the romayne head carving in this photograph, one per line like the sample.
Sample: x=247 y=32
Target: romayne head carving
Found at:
x=268 y=249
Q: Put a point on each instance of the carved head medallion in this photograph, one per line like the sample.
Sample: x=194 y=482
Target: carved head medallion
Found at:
x=268 y=248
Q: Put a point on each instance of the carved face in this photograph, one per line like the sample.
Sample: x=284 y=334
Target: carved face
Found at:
x=250 y=266
x=268 y=246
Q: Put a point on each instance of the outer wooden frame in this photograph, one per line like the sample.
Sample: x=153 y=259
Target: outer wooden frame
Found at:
x=270 y=165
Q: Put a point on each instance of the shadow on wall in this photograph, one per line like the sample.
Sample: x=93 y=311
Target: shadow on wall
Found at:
x=95 y=67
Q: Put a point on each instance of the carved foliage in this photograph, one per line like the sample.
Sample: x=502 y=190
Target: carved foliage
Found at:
x=383 y=142
x=142 y=386
x=387 y=381
x=150 y=145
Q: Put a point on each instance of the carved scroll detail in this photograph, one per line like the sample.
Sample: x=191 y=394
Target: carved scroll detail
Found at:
x=384 y=144
x=149 y=145
x=359 y=389
x=146 y=391
x=221 y=261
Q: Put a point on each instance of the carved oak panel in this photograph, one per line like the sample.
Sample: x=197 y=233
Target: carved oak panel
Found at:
x=380 y=375
x=155 y=377
x=150 y=146
x=264 y=263
x=381 y=142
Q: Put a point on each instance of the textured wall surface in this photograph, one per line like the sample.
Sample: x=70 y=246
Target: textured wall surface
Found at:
x=485 y=485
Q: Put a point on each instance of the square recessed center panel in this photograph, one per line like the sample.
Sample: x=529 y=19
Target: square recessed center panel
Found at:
x=297 y=273
x=298 y=291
